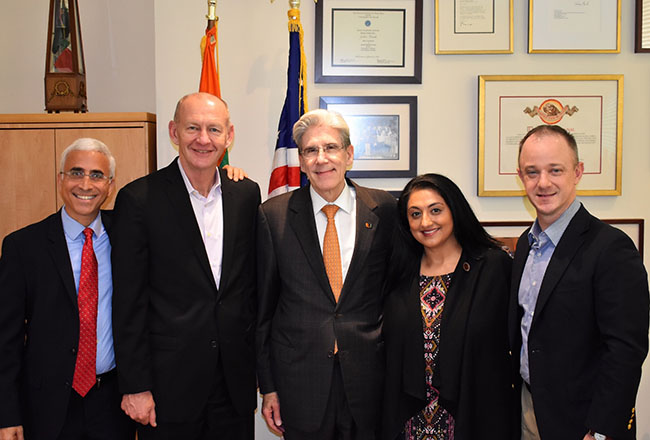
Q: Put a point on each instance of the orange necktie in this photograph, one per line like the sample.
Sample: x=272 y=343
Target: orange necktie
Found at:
x=332 y=252
x=84 y=370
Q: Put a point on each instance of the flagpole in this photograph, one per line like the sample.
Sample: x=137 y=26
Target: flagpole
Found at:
x=212 y=13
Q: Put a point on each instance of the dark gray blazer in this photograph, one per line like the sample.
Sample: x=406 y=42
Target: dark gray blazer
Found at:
x=39 y=331
x=589 y=334
x=299 y=319
x=172 y=325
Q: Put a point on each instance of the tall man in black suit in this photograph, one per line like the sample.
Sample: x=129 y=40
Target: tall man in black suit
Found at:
x=579 y=304
x=184 y=271
x=320 y=352
x=57 y=366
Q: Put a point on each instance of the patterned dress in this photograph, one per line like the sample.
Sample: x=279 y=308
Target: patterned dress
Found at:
x=433 y=422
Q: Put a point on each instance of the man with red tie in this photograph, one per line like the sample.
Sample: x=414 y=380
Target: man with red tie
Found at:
x=57 y=365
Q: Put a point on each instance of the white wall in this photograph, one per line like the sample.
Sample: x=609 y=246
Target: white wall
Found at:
x=118 y=40
x=121 y=38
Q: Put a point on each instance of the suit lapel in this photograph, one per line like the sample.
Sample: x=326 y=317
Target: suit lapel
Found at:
x=58 y=249
x=367 y=222
x=414 y=366
x=514 y=315
x=455 y=315
x=229 y=227
x=301 y=219
x=566 y=249
x=180 y=200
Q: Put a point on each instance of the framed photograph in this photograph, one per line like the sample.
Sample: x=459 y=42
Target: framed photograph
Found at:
x=383 y=131
x=473 y=27
x=642 y=32
x=508 y=232
x=560 y=26
x=368 y=41
x=588 y=106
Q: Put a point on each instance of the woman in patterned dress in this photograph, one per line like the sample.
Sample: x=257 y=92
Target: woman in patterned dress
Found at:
x=448 y=370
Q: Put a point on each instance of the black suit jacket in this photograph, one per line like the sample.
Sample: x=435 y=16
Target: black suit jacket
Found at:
x=37 y=286
x=299 y=318
x=171 y=323
x=473 y=372
x=589 y=334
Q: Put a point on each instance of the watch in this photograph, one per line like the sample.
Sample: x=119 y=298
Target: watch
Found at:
x=599 y=436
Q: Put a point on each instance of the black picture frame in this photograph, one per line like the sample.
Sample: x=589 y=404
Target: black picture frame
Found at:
x=381 y=158
x=409 y=73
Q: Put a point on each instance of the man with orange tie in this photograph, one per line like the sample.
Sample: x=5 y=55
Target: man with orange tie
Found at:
x=322 y=255
x=57 y=366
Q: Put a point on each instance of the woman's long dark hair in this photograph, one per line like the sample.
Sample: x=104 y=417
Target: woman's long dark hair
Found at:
x=407 y=251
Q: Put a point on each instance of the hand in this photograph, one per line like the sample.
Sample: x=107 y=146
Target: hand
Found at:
x=235 y=173
x=271 y=412
x=140 y=407
x=11 y=433
x=589 y=436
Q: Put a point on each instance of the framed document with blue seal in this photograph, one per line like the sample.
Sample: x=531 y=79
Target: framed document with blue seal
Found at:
x=368 y=41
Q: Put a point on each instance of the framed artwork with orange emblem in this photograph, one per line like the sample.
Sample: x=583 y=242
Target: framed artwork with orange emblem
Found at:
x=588 y=106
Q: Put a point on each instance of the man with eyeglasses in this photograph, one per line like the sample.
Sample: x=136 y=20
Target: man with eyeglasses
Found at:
x=322 y=256
x=57 y=365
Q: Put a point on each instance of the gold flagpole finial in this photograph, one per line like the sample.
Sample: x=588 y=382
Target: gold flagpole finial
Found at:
x=212 y=10
x=294 y=4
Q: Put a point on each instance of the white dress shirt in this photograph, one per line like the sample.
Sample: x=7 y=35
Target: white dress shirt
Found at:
x=208 y=212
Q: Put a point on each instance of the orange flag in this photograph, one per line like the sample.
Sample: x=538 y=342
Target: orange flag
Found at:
x=210 y=70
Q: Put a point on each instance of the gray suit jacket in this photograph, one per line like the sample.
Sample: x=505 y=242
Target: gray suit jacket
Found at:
x=299 y=319
x=589 y=334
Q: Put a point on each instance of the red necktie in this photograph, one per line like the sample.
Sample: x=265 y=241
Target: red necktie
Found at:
x=84 y=370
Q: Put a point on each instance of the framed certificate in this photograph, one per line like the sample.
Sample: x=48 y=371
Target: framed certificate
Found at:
x=561 y=26
x=383 y=131
x=368 y=41
x=588 y=106
x=508 y=232
x=642 y=32
x=473 y=26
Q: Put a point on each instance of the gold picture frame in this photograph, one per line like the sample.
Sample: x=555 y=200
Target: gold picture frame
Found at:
x=559 y=26
x=482 y=27
x=589 y=106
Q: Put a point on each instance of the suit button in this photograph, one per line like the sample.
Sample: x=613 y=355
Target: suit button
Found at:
x=330 y=354
x=73 y=350
x=213 y=344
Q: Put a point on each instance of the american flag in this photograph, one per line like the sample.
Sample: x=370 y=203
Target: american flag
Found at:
x=286 y=174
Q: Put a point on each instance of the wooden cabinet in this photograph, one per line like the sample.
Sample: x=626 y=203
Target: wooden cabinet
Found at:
x=31 y=148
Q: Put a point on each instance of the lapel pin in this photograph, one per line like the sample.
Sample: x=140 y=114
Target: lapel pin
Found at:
x=466 y=266
x=368 y=225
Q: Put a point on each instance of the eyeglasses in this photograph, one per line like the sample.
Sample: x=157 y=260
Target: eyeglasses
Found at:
x=94 y=176
x=329 y=150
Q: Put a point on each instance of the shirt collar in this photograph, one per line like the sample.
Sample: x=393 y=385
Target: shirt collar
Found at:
x=191 y=190
x=344 y=201
x=557 y=228
x=73 y=229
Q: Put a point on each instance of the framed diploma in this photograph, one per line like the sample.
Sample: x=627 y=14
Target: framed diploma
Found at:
x=585 y=26
x=588 y=106
x=642 y=33
x=473 y=26
x=508 y=232
x=383 y=131
x=368 y=41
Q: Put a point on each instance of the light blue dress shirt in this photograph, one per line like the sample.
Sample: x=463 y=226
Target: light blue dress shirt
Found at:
x=74 y=237
x=542 y=245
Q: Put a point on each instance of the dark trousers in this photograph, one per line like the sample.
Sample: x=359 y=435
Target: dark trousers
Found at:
x=338 y=423
x=218 y=421
x=98 y=415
